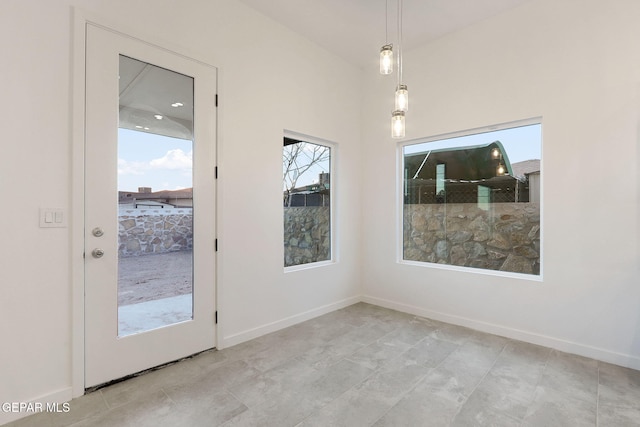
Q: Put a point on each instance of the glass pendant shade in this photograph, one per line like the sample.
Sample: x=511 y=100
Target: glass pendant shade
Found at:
x=386 y=59
x=402 y=98
x=397 y=124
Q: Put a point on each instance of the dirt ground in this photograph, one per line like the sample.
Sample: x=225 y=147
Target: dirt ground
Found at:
x=155 y=276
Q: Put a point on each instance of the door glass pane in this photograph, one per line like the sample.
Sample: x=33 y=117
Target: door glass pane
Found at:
x=155 y=197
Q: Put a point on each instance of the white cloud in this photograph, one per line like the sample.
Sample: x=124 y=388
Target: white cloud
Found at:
x=174 y=159
x=131 y=168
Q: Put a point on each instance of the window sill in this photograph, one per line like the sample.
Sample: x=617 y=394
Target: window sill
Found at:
x=495 y=273
x=309 y=266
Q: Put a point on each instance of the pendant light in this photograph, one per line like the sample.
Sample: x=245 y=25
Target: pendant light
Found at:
x=386 y=59
x=397 y=124
x=402 y=98
x=386 y=52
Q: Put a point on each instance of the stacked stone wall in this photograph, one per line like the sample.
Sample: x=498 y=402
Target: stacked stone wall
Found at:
x=154 y=231
x=307 y=235
x=505 y=237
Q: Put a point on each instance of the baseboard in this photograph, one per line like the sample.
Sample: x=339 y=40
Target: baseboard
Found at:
x=56 y=397
x=250 y=334
x=566 y=346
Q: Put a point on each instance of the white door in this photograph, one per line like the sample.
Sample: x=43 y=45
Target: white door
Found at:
x=149 y=206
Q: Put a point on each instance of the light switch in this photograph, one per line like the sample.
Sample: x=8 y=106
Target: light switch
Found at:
x=53 y=218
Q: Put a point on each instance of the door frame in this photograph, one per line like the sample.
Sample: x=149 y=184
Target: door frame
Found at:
x=82 y=18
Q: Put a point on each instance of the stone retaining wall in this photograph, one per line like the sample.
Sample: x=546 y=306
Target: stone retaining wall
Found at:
x=154 y=231
x=307 y=235
x=506 y=237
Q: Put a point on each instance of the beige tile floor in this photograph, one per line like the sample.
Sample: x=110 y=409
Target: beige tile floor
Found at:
x=368 y=366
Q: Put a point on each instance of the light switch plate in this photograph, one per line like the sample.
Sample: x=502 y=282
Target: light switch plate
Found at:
x=53 y=218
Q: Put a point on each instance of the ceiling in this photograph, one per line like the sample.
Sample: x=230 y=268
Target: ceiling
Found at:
x=355 y=29
x=154 y=99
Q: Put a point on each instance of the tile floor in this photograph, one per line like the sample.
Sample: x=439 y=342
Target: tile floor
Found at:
x=368 y=366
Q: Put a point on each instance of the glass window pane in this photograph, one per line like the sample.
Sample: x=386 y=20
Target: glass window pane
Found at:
x=155 y=197
x=306 y=171
x=474 y=201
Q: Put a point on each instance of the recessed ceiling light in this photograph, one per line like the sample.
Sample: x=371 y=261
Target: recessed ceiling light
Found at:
x=138 y=127
x=177 y=104
x=158 y=116
x=146 y=128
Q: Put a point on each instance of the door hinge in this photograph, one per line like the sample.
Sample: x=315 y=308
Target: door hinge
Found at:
x=216 y=317
x=215 y=171
x=216 y=99
x=216 y=244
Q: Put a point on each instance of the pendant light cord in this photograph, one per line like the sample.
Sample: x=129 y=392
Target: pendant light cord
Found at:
x=399 y=42
x=386 y=22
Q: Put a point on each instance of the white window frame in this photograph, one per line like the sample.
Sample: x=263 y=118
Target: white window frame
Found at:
x=400 y=189
x=333 y=258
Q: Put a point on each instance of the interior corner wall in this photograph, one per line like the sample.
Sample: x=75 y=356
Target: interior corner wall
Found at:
x=269 y=80
x=576 y=64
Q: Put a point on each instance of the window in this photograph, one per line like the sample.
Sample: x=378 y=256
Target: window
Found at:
x=473 y=200
x=306 y=171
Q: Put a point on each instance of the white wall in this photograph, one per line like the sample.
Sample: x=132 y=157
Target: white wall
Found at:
x=269 y=80
x=576 y=63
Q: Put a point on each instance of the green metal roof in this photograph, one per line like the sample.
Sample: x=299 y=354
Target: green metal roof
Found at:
x=464 y=163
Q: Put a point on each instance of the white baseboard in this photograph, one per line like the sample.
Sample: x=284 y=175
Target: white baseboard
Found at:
x=60 y=396
x=566 y=346
x=250 y=334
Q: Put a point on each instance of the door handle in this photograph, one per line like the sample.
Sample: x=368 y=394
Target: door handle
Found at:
x=97 y=253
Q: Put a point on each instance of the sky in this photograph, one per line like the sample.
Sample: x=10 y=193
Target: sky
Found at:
x=149 y=160
x=520 y=143
x=312 y=175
